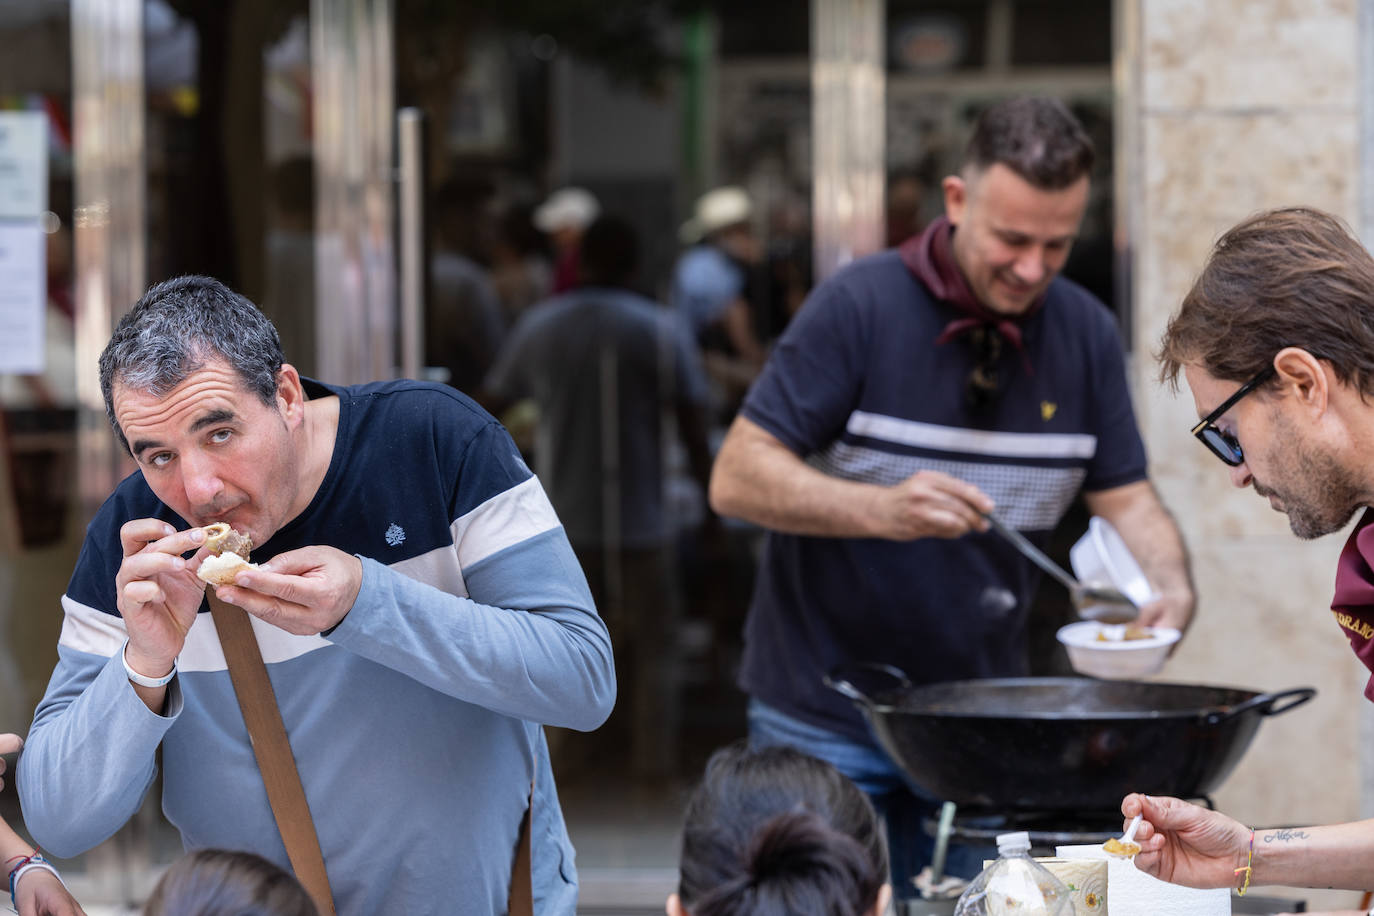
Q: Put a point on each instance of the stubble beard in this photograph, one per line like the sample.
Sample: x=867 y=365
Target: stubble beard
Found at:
x=1324 y=495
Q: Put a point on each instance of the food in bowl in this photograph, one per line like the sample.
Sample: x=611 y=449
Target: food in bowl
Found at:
x=1116 y=658
x=1119 y=634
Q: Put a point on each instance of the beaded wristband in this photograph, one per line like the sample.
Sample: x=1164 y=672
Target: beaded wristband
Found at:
x=143 y=680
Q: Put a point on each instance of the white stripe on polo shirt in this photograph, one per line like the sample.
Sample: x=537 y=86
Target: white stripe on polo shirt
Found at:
x=971 y=441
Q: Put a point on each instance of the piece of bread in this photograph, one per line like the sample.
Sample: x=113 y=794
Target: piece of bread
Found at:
x=220 y=538
x=220 y=569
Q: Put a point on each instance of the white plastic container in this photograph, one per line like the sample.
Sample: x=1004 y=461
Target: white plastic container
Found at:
x=1117 y=659
x=1014 y=885
x=1100 y=556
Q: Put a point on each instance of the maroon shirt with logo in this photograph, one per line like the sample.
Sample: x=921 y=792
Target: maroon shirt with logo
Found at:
x=1353 y=604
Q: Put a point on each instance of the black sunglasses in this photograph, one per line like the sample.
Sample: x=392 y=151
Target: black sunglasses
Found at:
x=1223 y=444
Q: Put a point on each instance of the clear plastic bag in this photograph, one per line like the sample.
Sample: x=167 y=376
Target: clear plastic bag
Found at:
x=1015 y=885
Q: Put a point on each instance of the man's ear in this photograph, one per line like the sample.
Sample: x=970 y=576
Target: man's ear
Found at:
x=1303 y=375
x=956 y=198
x=290 y=393
x=674 y=906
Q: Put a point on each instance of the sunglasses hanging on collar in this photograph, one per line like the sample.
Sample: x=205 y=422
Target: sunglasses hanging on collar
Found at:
x=983 y=387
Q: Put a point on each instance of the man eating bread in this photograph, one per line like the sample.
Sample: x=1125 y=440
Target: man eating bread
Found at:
x=417 y=605
x=227 y=553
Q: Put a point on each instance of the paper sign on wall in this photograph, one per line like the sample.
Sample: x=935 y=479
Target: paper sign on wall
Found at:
x=23 y=296
x=23 y=164
x=23 y=256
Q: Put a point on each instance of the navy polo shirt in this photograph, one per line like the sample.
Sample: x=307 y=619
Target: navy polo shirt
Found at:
x=858 y=387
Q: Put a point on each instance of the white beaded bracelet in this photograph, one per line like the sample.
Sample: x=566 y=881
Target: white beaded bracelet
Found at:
x=143 y=680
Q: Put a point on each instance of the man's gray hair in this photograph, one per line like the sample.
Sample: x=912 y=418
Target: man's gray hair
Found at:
x=176 y=328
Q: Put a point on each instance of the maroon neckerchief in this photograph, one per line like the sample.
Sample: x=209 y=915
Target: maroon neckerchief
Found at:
x=1353 y=603
x=930 y=257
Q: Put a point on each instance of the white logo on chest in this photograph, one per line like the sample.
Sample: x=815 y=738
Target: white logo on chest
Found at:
x=395 y=535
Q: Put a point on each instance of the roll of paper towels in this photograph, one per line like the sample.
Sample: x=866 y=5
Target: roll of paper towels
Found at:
x=1086 y=880
x=1134 y=893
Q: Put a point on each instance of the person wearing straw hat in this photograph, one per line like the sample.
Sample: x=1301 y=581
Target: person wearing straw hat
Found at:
x=915 y=391
x=710 y=284
x=563 y=218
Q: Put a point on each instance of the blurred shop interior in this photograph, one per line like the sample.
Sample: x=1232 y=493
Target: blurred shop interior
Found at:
x=369 y=170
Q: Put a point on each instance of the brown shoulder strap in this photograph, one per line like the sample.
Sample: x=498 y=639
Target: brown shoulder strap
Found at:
x=521 y=879
x=258 y=704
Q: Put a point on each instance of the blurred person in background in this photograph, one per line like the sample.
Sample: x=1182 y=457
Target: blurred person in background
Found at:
x=906 y=191
x=519 y=265
x=34 y=886
x=916 y=390
x=222 y=882
x=611 y=373
x=790 y=273
x=710 y=287
x=463 y=321
x=776 y=832
x=564 y=217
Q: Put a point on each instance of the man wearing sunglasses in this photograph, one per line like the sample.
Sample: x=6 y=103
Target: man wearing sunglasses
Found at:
x=914 y=391
x=1276 y=342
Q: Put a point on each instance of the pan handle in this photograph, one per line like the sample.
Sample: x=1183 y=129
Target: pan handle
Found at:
x=1268 y=704
x=839 y=679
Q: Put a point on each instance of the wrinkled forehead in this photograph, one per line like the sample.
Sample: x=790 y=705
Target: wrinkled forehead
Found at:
x=191 y=385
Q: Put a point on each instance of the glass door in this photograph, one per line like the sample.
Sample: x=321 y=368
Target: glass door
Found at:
x=140 y=140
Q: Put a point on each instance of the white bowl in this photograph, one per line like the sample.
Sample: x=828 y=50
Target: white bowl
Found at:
x=1101 y=557
x=1115 y=659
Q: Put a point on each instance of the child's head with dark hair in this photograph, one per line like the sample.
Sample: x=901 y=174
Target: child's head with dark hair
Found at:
x=221 y=882
x=775 y=831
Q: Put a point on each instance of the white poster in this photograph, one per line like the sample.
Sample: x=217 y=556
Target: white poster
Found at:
x=23 y=296
x=23 y=164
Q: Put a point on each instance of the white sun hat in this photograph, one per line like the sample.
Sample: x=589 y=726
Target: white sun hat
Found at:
x=715 y=210
x=567 y=207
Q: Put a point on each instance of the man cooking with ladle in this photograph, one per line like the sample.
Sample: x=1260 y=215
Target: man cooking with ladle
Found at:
x=915 y=391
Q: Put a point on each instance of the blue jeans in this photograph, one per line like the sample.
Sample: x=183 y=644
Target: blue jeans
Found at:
x=903 y=808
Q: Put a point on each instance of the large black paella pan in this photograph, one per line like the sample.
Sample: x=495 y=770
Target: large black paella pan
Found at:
x=1060 y=743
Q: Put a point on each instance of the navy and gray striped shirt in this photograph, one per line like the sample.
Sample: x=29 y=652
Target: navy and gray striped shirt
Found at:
x=416 y=723
x=858 y=388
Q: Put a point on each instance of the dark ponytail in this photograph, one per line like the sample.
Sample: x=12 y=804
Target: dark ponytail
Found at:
x=797 y=863
x=775 y=832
